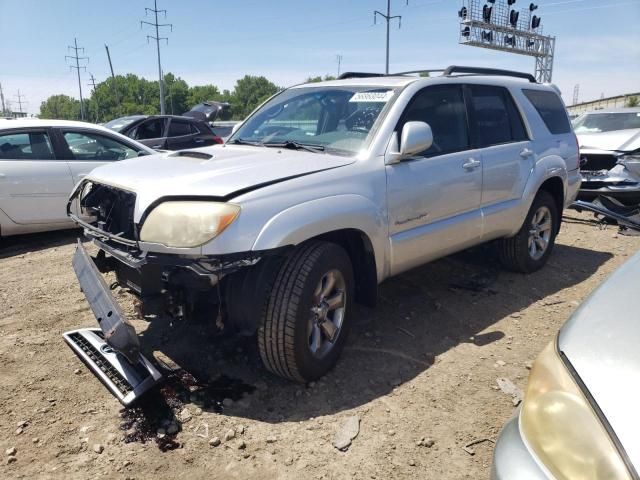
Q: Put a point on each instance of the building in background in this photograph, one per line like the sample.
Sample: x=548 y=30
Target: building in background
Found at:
x=618 y=101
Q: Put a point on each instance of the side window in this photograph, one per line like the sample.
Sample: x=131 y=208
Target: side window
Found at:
x=442 y=107
x=25 y=146
x=178 y=128
x=91 y=146
x=150 y=129
x=494 y=117
x=551 y=109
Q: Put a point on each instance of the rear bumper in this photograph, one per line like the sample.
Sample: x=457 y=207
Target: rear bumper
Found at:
x=512 y=460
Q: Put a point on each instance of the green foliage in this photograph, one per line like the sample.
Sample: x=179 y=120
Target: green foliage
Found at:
x=250 y=92
x=633 y=101
x=133 y=95
x=319 y=78
x=61 y=107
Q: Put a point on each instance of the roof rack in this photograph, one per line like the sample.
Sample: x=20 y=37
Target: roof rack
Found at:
x=346 y=75
x=447 y=72
x=487 y=71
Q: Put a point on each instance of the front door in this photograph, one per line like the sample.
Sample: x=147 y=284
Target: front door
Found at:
x=434 y=197
x=34 y=184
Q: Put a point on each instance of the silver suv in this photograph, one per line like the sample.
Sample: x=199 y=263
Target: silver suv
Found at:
x=322 y=193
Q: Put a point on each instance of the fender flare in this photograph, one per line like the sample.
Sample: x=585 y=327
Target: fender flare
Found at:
x=304 y=221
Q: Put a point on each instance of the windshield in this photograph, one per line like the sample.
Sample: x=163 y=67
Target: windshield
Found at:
x=606 y=122
x=119 y=123
x=337 y=119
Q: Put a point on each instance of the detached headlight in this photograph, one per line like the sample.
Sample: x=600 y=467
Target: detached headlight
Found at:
x=185 y=224
x=562 y=428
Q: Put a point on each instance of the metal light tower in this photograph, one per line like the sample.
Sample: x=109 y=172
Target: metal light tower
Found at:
x=388 y=17
x=157 y=38
x=497 y=25
x=77 y=66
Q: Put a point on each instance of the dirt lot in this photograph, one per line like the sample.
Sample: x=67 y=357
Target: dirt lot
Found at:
x=424 y=364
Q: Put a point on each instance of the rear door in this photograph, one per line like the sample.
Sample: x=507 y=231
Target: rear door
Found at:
x=184 y=134
x=151 y=132
x=34 y=182
x=498 y=131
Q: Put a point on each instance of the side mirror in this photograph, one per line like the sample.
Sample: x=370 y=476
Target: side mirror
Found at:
x=416 y=137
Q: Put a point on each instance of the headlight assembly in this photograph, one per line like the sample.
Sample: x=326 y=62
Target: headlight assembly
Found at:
x=186 y=224
x=561 y=427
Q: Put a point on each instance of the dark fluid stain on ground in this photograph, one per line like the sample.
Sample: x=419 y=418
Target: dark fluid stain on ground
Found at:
x=158 y=409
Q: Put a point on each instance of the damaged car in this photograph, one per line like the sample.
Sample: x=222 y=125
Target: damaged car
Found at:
x=610 y=154
x=322 y=193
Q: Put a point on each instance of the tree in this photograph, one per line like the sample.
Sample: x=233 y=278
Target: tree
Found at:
x=250 y=92
x=203 y=93
x=633 y=101
x=61 y=107
x=320 y=79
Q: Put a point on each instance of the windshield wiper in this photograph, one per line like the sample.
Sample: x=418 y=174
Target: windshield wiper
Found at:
x=242 y=141
x=292 y=144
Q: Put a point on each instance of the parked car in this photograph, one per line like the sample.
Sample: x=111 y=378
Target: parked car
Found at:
x=41 y=161
x=579 y=417
x=224 y=129
x=610 y=154
x=322 y=193
x=166 y=132
x=210 y=111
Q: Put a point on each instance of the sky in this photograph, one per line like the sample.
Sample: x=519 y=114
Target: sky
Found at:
x=216 y=41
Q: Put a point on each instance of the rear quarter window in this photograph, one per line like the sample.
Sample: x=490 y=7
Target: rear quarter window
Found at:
x=551 y=110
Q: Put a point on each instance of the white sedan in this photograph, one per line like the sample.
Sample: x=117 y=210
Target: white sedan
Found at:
x=41 y=161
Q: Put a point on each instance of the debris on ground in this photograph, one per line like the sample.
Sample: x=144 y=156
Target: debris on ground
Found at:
x=467 y=448
x=508 y=387
x=345 y=435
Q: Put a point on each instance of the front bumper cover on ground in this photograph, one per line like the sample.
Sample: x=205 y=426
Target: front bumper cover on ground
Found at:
x=112 y=352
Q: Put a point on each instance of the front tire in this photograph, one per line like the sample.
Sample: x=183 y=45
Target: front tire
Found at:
x=304 y=322
x=530 y=248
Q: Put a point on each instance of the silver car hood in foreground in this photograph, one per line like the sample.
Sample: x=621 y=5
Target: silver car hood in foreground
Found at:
x=231 y=169
x=620 y=140
x=602 y=342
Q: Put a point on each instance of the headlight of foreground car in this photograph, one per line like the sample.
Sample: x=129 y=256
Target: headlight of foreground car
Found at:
x=562 y=428
x=186 y=224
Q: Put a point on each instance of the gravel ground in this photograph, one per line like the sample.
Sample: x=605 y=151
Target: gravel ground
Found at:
x=417 y=381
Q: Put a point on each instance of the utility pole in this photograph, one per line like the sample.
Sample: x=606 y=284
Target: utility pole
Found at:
x=19 y=97
x=576 y=93
x=77 y=66
x=115 y=86
x=388 y=17
x=339 y=59
x=4 y=108
x=93 y=91
x=157 y=38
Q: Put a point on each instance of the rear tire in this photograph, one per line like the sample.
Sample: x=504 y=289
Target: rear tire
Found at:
x=530 y=248
x=308 y=303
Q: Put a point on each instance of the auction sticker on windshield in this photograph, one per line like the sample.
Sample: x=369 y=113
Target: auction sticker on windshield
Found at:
x=376 y=96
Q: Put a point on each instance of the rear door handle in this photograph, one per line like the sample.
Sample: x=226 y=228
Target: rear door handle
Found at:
x=199 y=140
x=471 y=164
x=156 y=146
x=526 y=153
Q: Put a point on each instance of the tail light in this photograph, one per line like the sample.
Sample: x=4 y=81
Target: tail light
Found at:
x=217 y=139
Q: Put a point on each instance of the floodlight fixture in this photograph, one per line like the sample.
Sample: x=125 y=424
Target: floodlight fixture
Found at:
x=513 y=18
x=511 y=2
x=466 y=32
x=510 y=40
x=487 y=36
x=535 y=22
x=532 y=7
x=463 y=12
x=486 y=13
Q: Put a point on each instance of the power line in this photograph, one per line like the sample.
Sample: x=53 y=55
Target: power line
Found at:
x=388 y=18
x=20 y=96
x=157 y=38
x=77 y=66
x=93 y=91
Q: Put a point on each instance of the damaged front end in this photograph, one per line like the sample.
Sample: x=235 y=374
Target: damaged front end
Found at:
x=610 y=173
x=185 y=287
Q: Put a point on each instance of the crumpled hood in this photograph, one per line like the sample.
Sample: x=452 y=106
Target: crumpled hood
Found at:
x=620 y=140
x=601 y=341
x=231 y=169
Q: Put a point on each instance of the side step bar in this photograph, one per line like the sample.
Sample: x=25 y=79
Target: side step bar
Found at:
x=125 y=380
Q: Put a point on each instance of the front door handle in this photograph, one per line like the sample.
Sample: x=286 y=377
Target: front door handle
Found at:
x=526 y=153
x=471 y=164
x=156 y=146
